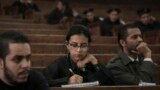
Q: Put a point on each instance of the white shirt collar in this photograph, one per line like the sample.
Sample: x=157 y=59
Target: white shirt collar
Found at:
x=132 y=59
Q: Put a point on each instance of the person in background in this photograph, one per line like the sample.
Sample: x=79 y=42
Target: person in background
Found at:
x=25 y=7
x=133 y=63
x=89 y=18
x=78 y=66
x=146 y=21
x=61 y=13
x=112 y=20
x=15 y=64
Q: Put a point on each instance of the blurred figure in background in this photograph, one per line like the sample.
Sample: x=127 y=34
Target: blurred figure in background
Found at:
x=61 y=13
x=112 y=20
x=146 y=21
x=25 y=8
x=89 y=18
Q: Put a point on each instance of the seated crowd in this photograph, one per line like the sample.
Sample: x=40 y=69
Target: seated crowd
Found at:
x=132 y=65
x=64 y=14
x=22 y=8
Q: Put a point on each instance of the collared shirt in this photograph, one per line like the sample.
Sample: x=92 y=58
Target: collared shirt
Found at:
x=132 y=59
x=145 y=59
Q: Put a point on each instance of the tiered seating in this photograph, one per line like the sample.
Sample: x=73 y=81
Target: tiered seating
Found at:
x=39 y=38
x=54 y=48
x=153 y=37
x=48 y=42
x=41 y=60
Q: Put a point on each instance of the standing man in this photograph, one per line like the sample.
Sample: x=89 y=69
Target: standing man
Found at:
x=15 y=63
x=133 y=64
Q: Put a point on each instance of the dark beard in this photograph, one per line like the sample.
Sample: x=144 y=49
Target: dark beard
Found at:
x=9 y=76
x=132 y=54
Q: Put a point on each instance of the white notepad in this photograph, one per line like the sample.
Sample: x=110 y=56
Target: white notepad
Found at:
x=89 y=84
x=146 y=83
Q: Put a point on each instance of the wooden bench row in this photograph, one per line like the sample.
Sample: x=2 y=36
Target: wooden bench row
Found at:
x=41 y=38
x=59 y=30
x=27 y=25
x=41 y=60
x=94 y=48
x=41 y=31
x=59 y=39
x=12 y=19
x=58 y=36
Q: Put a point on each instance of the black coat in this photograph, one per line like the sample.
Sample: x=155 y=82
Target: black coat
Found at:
x=56 y=15
x=35 y=82
x=149 y=27
x=88 y=23
x=23 y=7
x=106 y=27
x=57 y=73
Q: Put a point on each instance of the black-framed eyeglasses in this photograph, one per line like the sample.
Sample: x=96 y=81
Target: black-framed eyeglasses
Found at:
x=83 y=46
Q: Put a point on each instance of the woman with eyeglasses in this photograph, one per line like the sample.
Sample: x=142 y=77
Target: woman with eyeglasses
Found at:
x=78 y=66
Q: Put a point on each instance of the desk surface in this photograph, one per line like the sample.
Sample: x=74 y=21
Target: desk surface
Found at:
x=111 y=88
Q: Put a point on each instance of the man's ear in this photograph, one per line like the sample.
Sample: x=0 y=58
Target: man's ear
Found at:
x=122 y=43
x=1 y=63
x=66 y=44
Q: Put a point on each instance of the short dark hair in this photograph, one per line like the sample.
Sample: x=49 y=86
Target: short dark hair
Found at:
x=123 y=32
x=88 y=10
x=65 y=3
x=78 y=30
x=10 y=36
x=114 y=9
x=142 y=11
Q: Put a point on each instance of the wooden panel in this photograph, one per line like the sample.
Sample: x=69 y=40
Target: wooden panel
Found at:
x=111 y=88
x=94 y=48
x=61 y=39
x=40 y=60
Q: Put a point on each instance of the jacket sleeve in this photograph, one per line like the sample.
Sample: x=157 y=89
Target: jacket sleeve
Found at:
x=102 y=74
x=147 y=71
x=37 y=81
x=54 y=17
x=124 y=77
x=52 y=75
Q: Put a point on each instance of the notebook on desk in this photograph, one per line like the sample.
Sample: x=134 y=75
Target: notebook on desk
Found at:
x=146 y=84
x=89 y=84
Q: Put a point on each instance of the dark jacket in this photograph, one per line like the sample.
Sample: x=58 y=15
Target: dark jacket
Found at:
x=88 y=23
x=24 y=7
x=149 y=27
x=106 y=27
x=35 y=82
x=122 y=68
x=57 y=73
x=56 y=15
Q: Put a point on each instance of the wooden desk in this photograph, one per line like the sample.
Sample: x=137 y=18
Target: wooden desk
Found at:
x=111 y=88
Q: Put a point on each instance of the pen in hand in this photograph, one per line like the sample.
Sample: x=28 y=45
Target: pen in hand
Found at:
x=71 y=71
